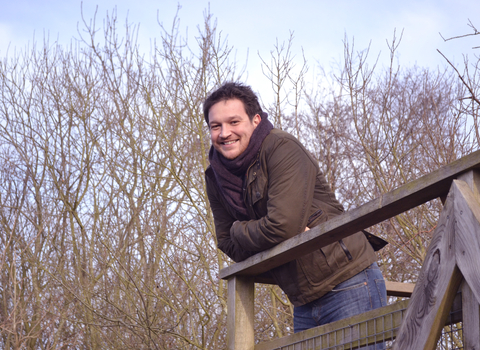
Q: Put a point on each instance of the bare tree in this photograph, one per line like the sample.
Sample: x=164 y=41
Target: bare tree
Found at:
x=470 y=78
x=109 y=239
x=106 y=237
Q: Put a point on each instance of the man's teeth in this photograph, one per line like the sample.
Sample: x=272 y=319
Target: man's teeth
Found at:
x=229 y=142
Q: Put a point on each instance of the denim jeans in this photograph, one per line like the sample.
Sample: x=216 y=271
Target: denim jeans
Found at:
x=363 y=292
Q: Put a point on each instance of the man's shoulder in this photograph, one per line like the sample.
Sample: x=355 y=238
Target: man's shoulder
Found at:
x=277 y=133
x=282 y=144
x=277 y=136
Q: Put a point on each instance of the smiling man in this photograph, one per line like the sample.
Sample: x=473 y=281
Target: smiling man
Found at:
x=231 y=128
x=264 y=187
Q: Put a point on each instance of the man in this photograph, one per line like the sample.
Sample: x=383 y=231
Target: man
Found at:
x=264 y=187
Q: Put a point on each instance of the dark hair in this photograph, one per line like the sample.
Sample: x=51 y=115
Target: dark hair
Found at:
x=231 y=91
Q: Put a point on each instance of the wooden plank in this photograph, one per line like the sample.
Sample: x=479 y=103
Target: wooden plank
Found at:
x=467 y=235
x=470 y=304
x=382 y=324
x=394 y=289
x=388 y=205
x=471 y=319
x=240 y=315
x=472 y=178
x=387 y=322
x=436 y=287
x=399 y=289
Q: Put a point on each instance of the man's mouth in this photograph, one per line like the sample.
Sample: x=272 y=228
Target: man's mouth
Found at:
x=229 y=142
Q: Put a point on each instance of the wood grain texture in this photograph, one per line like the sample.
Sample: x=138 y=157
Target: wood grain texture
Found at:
x=471 y=319
x=240 y=315
x=453 y=254
x=455 y=243
x=435 y=289
x=399 y=289
x=382 y=325
x=467 y=235
x=467 y=247
x=406 y=197
x=472 y=178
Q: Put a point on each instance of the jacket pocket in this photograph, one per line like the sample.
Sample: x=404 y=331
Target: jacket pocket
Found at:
x=323 y=263
x=314 y=219
x=315 y=267
x=337 y=254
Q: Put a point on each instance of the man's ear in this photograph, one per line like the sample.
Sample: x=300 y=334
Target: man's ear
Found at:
x=256 y=120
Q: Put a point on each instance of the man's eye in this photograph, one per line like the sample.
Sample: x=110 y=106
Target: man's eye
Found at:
x=234 y=122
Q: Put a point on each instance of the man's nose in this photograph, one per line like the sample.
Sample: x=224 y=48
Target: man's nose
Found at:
x=225 y=132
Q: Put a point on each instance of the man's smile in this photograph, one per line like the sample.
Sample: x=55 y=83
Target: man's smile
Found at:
x=230 y=127
x=229 y=142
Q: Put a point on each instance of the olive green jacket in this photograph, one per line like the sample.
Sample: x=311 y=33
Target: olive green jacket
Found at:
x=284 y=192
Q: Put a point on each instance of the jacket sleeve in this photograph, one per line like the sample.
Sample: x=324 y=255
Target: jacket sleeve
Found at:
x=223 y=222
x=291 y=184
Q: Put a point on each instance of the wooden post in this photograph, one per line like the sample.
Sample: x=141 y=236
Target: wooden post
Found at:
x=240 y=335
x=471 y=319
x=470 y=304
x=435 y=289
x=453 y=255
x=472 y=178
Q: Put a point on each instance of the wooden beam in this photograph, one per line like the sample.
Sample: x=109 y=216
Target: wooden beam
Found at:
x=467 y=235
x=373 y=326
x=406 y=197
x=240 y=313
x=467 y=247
x=399 y=289
x=394 y=289
x=472 y=179
x=436 y=287
x=471 y=318
x=382 y=325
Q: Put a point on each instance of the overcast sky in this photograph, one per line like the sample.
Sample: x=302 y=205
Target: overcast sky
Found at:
x=319 y=26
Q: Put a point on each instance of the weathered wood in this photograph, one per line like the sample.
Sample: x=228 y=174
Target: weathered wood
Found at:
x=382 y=324
x=467 y=235
x=240 y=315
x=394 y=289
x=454 y=250
x=399 y=289
x=457 y=248
x=472 y=178
x=388 y=205
x=471 y=319
x=436 y=287
x=467 y=248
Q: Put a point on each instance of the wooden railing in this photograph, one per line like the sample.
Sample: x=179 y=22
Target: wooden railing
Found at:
x=452 y=257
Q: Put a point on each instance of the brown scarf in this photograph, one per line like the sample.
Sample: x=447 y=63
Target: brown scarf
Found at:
x=231 y=172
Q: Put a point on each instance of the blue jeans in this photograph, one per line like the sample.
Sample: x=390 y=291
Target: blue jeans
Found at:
x=363 y=292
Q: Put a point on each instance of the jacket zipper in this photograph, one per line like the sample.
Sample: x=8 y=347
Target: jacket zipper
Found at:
x=314 y=216
x=345 y=250
x=247 y=205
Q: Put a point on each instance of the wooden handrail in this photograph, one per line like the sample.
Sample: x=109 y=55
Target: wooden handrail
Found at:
x=452 y=257
x=408 y=196
x=399 y=289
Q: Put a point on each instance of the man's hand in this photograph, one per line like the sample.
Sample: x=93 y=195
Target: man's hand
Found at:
x=306 y=229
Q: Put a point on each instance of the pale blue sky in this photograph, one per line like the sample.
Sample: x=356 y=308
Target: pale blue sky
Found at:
x=319 y=26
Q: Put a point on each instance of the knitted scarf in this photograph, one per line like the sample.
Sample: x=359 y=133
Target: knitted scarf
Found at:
x=230 y=172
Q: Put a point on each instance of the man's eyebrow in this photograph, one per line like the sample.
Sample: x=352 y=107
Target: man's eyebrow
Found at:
x=234 y=116
x=227 y=119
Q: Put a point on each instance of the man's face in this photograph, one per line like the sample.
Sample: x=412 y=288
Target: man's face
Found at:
x=230 y=127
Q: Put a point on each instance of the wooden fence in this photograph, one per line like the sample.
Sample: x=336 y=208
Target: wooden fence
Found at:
x=453 y=256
